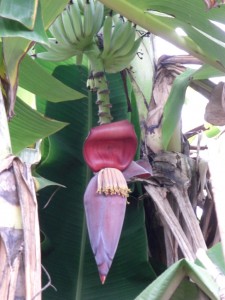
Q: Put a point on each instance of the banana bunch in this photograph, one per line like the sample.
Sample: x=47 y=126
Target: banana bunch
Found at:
x=119 y=46
x=73 y=31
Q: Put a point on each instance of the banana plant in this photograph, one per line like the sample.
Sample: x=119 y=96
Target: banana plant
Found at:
x=75 y=32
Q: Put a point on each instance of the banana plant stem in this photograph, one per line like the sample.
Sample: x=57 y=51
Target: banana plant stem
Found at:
x=99 y=84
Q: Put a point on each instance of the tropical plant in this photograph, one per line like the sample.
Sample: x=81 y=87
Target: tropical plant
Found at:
x=66 y=58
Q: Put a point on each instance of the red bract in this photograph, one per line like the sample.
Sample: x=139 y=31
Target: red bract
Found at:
x=105 y=208
x=109 y=150
x=105 y=216
x=110 y=145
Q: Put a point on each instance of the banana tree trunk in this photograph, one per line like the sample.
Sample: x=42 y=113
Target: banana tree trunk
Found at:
x=174 y=186
x=20 y=262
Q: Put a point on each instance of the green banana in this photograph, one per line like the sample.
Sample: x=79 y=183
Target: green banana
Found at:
x=88 y=17
x=107 y=32
x=98 y=17
x=58 y=31
x=74 y=32
x=118 y=63
x=52 y=56
x=80 y=4
x=119 y=37
x=127 y=44
x=76 y=20
x=57 y=51
x=68 y=27
x=133 y=50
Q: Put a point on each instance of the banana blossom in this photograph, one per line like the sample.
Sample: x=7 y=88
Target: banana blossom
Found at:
x=109 y=151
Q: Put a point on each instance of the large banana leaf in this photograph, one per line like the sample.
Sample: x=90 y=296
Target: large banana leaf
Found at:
x=69 y=259
x=169 y=281
x=17 y=40
x=39 y=81
x=203 y=40
x=28 y=126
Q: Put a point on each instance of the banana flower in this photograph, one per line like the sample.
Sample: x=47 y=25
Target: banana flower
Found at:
x=109 y=151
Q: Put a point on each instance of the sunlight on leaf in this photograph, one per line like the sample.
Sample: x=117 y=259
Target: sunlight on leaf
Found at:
x=37 y=80
x=28 y=126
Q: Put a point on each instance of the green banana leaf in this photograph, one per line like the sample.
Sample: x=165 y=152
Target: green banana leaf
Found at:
x=37 y=80
x=173 y=106
x=207 y=71
x=162 y=17
x=170 y=280
x=16 y=41
x=70 y=261
x=51 y=9
x=28 y=126
x=24 y=13
x=216 y=255
x=12 y=28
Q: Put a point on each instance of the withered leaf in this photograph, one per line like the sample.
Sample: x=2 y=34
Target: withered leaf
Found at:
x=215 y=109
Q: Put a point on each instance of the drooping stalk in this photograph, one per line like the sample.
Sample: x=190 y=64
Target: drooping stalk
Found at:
x=98 y=83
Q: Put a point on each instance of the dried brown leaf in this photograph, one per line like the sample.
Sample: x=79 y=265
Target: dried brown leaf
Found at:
x=215 y=109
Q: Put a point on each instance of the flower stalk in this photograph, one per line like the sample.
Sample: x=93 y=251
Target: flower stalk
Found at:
x=97 y=82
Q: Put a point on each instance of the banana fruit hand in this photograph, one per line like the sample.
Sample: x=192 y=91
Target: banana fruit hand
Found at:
x=74 y=30
x=119 y=45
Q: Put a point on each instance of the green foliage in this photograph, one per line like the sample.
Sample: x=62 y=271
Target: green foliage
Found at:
x=23 y=13
x=70 y=261
x=216 y=255
x=162 y=17
x=16 y=40
x=37 y=80
x=171 y=279
x=175 y=281
x=28 y=126
x=174 y=104
x=207 y=71
x=23 y=21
